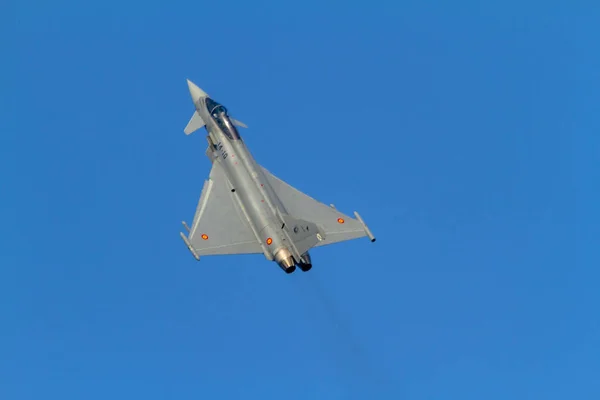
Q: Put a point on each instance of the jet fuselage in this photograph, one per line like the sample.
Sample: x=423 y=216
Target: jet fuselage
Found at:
x=256 y=199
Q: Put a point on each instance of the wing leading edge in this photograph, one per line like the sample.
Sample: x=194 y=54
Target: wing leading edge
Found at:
x=219 y=227
x=337 y=226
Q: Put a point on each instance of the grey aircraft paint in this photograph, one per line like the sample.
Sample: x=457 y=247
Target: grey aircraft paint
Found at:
x=244 y=209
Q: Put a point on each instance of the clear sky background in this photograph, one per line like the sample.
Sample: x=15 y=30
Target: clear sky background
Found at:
x=465 y=134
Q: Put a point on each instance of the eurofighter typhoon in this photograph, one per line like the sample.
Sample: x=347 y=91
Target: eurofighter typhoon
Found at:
x=244 y=209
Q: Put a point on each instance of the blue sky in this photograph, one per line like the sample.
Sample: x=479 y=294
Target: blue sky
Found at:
x=466 y=135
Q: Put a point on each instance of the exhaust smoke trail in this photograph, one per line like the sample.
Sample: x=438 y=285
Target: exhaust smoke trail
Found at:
x=354 y=364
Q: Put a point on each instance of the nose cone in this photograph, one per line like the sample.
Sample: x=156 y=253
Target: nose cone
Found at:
x=195 y=91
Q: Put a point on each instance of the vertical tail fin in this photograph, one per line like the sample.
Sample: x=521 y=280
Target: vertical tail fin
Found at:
x=304 y=234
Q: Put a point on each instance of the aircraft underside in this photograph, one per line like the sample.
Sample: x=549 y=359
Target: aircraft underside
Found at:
x=241 y=201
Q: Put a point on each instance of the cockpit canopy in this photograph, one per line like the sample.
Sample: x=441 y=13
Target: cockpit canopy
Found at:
x=219 y=113
x=215 y=108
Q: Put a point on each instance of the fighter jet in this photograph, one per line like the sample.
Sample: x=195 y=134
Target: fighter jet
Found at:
x=245 y=209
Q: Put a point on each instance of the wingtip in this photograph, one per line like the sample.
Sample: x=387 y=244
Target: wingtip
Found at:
x=365 y=227
x=189 y=246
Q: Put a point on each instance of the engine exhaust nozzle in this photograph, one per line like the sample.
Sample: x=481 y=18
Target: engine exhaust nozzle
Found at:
x=285 y=261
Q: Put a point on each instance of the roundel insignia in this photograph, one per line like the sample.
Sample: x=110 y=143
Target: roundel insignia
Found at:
x=204 y=236
x=341 y=220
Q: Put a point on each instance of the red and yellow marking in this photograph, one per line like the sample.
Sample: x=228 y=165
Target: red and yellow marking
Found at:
x=269 y=241
x=204 y=236
x=341 y=220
